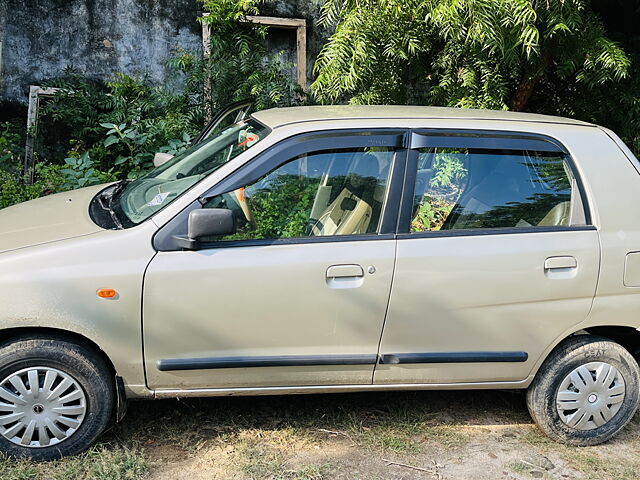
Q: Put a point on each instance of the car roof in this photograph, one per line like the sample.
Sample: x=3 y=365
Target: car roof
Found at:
x=279 y=117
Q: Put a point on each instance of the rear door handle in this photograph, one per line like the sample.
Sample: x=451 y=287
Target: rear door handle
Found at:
x=343 y=271
x=554 y=263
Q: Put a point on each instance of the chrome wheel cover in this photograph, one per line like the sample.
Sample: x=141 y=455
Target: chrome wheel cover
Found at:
x=590 y=395
x=40 y=407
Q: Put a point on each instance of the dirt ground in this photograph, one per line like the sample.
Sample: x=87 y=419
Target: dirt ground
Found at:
x=477 y=435
x=440 y=435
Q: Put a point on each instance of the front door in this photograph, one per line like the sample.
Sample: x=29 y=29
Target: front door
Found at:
x=298 y=295
x=497 y=261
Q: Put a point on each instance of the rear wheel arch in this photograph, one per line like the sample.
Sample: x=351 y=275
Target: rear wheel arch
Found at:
x=627 y=336
x=586 y=390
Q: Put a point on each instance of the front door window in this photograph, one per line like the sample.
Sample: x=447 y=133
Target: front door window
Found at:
x=330 y=192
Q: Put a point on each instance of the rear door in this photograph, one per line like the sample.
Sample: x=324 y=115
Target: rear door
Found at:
x=496 y=258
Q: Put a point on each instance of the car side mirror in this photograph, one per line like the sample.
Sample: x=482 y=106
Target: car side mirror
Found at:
x=161 y=158
x=207 y=222
x=211 y=222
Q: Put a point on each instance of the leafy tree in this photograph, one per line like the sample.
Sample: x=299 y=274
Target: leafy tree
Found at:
x=238 y=66
x=617 y=106
x=467 y=53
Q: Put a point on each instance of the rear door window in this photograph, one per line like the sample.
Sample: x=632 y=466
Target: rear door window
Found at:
x=467 y=188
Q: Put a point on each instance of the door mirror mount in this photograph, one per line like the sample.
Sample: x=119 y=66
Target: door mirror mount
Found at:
x=207 y=222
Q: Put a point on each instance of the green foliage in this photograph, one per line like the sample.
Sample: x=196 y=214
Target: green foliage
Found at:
x=282 y=209
x=80 y=172
x=12 y=188
x=142 y=118
x=238 y=66
x=466 y=53
x=130 y=144
x=74 y=112
x=617 y=106
x=371 y=56
x=449 y=170
x=176 y=146
x=92 y=132
x=431 y=215
x=48 y=179
x=150 y=117
x=449 y=173
x=11 y=145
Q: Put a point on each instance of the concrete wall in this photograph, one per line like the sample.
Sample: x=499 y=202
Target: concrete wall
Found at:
x=99 y=37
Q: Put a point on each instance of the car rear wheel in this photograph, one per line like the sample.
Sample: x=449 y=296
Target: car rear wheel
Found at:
x=56 y=397
x=586 y=391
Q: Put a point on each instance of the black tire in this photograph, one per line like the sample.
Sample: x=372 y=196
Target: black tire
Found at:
x=569 y=355
x=83 y=365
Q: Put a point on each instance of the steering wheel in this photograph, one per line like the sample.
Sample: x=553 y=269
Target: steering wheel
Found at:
x=313 y=228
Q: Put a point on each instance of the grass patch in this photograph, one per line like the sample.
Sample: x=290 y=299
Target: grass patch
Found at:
x=597 y=465
x=519 y=467
x=259 y=463
x=536 y=438
x=311 y=472
x=388 y=440
x=99 y=463
x=447 y=435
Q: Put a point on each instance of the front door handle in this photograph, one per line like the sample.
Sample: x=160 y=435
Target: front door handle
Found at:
x=554 y=263
x=343 y=271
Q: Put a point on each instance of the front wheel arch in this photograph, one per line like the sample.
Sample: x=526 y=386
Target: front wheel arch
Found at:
x=71 y=405
x=9 y=335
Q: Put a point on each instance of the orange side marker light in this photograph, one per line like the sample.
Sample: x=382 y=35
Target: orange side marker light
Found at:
x=107 y=293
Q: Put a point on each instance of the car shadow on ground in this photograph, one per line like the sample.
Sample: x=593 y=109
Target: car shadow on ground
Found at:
x=211 y=416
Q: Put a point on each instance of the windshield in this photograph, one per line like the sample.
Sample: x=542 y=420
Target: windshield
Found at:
x=145 y=196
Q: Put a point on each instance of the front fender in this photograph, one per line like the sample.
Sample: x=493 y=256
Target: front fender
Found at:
x=55 y=285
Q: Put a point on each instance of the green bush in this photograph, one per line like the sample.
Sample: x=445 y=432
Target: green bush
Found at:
x=91 y=132
x=120 y=124
x=11 y=145
x=238 y=66
x=48 y=179
x=109 y=131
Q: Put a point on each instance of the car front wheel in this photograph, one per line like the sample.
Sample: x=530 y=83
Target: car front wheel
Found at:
x=56 y=397
x=586 y=391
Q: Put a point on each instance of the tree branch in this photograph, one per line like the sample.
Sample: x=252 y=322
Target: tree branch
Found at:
x=528 y=83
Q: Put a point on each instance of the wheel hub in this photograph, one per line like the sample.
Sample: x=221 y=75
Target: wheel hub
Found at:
x=40 y=407
x=590 y=396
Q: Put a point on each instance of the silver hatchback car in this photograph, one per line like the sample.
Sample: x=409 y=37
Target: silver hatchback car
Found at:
x=331 y=249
